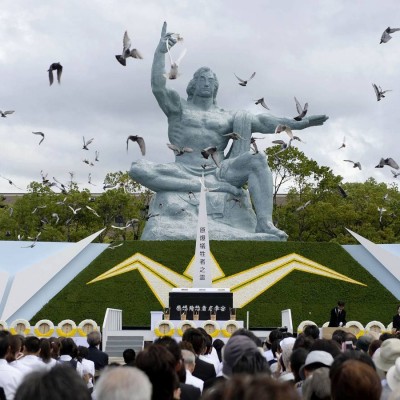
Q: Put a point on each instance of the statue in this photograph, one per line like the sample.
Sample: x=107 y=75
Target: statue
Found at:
x=198 y=123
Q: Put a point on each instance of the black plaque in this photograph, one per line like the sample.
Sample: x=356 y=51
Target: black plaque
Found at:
x=205 y=303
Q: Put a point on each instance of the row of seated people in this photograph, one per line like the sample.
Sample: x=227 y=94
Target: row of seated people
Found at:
x=283 y=367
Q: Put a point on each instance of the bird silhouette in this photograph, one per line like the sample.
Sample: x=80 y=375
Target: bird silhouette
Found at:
x=233 y=136
x=243 y=82
x=139 y=140
x=86 y=143
x=355 y=164
x=40 y=134
x=179 y=150
x=5 y=113
x=386 y=34
x=127 y=52
x=343 y=143
x=379 y=92
x=387 y=161
x=284 y=128
x=211 y=151
x=261 y=102
x=301 y=110
x=55 y=67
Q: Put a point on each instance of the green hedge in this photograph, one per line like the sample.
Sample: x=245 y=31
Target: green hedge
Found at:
x=308 y=296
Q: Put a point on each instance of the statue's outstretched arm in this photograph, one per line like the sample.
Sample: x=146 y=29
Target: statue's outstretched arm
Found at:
x=265 y=123
x=168 y=99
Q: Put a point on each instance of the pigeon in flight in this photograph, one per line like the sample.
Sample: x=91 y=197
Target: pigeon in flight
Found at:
x=343 y=144
x=41 y=134
x=173 y=73
x=261 y=102
x=139 y=140
x=395 y=174
x=211 y=151
x=90 y=179
x=253 y=144
x=74 y=210
x=179 y=150
x=284 y=146
x=386 y=34
x=86 y=161
x=302 y=207
x=86 y=144
x=284 y=128
x=93 y=211
x=55 y=67
x=97 y=154
x=379 y=92
x=387 y=161
x=243 y=82
x=5 y=113
x=355 y=164
x=127 y=52
x=233 y=136
x=381 y=211
x=56 y=216
x=301 y=110
x=10 y=182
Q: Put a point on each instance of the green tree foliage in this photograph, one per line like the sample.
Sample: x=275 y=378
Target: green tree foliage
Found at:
x=316 y=210
x=74 y=214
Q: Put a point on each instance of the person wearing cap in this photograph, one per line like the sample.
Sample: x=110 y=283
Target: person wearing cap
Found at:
x=384 y=358
x=338 y=315
x=285 y=349
x=240 y=356
x=315 y=359
x=393 y=376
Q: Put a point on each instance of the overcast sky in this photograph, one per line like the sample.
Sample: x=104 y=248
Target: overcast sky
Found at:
x=326 y=53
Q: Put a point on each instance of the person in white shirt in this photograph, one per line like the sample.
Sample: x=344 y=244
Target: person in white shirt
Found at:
x=189 y=360
x=68 y=352
x=87 y=366
x=10 y=377
x=30 y=361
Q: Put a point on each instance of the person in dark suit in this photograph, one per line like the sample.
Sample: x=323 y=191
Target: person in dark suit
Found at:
x=203 y=369
x=100 y=358
x=338 y=315
x=396 y=321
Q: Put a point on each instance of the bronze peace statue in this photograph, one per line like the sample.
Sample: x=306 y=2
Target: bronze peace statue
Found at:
x=198 y=123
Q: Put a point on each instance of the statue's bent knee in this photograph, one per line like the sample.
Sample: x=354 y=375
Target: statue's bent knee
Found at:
x=258 y=161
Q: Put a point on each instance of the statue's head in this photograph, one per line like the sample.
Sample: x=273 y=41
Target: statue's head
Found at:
x=199 y=79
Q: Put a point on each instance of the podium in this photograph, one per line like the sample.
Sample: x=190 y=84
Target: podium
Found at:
x=203 y=301
x=328 y=331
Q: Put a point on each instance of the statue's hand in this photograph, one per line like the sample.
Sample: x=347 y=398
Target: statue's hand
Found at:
x=166 y=37
x=315 y=120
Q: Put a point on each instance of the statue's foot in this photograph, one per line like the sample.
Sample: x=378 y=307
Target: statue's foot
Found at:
x=265 y=226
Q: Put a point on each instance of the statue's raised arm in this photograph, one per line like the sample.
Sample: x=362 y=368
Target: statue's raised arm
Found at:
x=168 y=99
x=265 y=123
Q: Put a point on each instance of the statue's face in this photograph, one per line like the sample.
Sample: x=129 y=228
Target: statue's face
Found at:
x=205 y=85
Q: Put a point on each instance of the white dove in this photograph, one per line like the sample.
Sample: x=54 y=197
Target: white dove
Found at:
x=173 y=73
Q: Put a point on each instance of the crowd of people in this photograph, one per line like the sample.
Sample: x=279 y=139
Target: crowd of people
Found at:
x=197 y=367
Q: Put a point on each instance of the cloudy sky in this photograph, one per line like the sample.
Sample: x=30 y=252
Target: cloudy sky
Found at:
x=324 y=53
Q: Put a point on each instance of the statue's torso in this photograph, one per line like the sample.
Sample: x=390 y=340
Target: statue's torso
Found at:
x=198 y=129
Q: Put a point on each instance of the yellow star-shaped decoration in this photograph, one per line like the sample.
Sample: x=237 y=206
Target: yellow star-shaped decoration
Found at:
x=245 y=285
